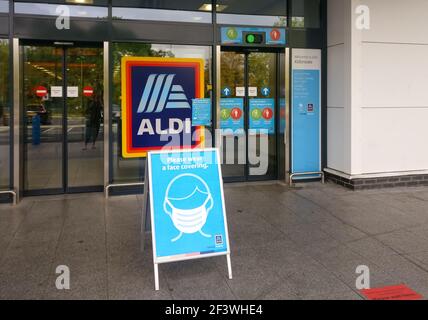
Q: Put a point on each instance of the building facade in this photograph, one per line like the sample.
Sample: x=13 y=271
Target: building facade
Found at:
x=344 y=100
x=56 y=61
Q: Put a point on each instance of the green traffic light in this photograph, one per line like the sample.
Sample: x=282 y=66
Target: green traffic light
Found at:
x=251 y=38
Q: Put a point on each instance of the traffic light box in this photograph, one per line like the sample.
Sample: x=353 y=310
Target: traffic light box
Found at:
x=254 y=38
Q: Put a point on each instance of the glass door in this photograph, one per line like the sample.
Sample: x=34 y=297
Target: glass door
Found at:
x=232 y=116
x=85 y=137
x=248 y=114
x=43 y=68
x=262 y=115
x=62 y=116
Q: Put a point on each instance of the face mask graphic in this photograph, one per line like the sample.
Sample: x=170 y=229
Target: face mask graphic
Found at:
x=188 y=202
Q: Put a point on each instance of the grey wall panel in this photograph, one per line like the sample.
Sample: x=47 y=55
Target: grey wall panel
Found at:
x=4 y=25
x=162 y=32
x=44 y=29
x=306 y=38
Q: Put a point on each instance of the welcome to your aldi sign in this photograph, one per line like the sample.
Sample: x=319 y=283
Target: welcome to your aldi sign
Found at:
x=157 y=96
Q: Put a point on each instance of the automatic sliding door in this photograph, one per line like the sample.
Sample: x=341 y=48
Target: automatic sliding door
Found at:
x=43 y=118
x=232 y=116
x=85 y=157
x=63 y=119
x=262 y=101
x=249 y=114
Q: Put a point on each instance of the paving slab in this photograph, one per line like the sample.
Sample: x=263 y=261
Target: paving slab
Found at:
x=286 y=243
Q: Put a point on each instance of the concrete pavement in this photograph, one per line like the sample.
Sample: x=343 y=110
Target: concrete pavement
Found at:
x=302 y=243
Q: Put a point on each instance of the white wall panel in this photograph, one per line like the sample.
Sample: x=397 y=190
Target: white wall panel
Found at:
x=335 y=139
x=395 y=75
x=335 y=76
x=395 y=140
x=397 y=21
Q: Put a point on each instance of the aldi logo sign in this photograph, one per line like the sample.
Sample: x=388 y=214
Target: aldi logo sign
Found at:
x=157 y=96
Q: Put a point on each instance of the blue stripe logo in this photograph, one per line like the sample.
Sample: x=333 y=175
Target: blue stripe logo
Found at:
x=160 y=93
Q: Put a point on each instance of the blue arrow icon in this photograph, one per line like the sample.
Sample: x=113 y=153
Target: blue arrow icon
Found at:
x=266 y=91
x=227 y=91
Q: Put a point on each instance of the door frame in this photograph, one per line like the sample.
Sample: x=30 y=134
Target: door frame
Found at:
x=65 y=189
x=246 y=51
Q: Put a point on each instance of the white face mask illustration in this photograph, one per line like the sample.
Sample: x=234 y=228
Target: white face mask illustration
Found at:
x=188 y=202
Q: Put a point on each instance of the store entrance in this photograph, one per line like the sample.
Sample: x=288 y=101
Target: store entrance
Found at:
x=63 y=117
x=250 y=113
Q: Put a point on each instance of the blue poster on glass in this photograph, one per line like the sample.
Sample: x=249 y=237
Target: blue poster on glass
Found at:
x=187 y=205
x=306 y=111
x=262 y=116
x=232 y=115
x=201 y=112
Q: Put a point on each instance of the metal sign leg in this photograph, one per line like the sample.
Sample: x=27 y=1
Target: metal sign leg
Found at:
x=156 y=277
x=229 y=266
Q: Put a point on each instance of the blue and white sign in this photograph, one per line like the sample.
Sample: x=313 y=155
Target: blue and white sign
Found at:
x=262 y=116
x=226 y=92
x=235 y=35
x=201 y=112
x=232 y=115
x=306 y=111
x=266 y=92
x=187 y=205
x=156 y=102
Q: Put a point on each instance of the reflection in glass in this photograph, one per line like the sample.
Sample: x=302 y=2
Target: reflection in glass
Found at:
x=85 y=134
x=256 y=20
x=51 y=10
x=4 y=6
x=80 y=2
x=232 y=77
x=43 y=118
x=189 y=5
x=162 y=15
x=253 y=7
x=4 y=115
x=132 y=170
x=262 y=74
x=51 y=100
x=306 y=14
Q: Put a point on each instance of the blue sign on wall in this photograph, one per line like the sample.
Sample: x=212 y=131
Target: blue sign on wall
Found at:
x=306 y=111
x=201 y=112
x=232 y=115
x=262 y=115
x=187 y=205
